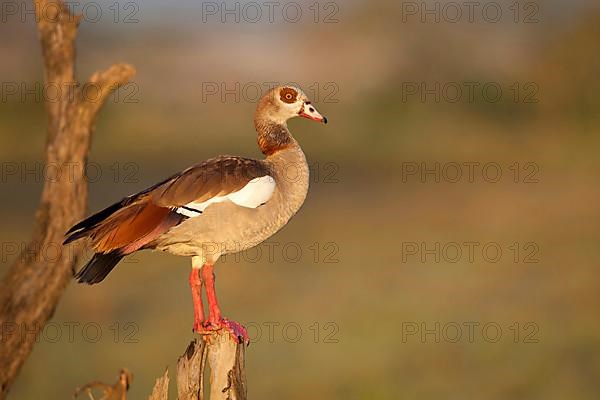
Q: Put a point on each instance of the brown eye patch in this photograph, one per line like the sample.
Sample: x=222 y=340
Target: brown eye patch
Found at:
x=288 y=95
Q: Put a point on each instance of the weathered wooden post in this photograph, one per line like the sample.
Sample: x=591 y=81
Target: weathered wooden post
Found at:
x=220 y=355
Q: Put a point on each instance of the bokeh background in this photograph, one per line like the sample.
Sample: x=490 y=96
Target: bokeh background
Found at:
x=360 y=312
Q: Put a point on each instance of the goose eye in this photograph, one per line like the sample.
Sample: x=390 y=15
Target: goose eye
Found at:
x=288 y=95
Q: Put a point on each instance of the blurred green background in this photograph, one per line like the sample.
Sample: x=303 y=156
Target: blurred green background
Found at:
x=356 y=315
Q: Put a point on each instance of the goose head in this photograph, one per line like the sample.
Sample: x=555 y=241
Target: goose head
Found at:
x=285 y=102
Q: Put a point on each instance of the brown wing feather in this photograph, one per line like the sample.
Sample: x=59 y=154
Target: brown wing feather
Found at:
x=215 y=177
x=137 y=220
x=128 y=225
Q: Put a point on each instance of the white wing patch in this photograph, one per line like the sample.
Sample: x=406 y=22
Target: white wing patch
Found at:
x=256 y=192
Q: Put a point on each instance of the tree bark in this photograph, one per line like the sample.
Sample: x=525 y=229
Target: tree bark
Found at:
x=227 y=368
x=35 y=282
x=190 y=371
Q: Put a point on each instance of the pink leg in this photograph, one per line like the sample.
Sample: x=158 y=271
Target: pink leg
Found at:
x=215 y=319
x=196 y=285
x=214 y=312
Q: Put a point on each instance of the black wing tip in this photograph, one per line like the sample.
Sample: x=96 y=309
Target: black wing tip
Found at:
x=74 y=228
x=81 y=228
x=87 y=282
x=71 y=237
x=98 y=267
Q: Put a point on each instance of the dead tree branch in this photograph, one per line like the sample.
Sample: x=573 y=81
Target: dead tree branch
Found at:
x=116 y=391
x=34 y=284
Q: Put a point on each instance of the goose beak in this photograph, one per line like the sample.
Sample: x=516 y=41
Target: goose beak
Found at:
x=310 y=112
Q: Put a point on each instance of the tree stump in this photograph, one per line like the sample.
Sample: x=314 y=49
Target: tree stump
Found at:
x=223 y=356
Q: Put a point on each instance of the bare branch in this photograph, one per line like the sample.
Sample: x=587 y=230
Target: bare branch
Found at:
x=103 y=83
x=34 y=284
x=116 y=391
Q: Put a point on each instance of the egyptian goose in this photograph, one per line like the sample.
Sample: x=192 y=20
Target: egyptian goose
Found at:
x=223 y=205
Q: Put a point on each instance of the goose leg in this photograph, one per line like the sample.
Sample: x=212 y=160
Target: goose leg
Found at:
x=215 y=319
x=196 y=286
